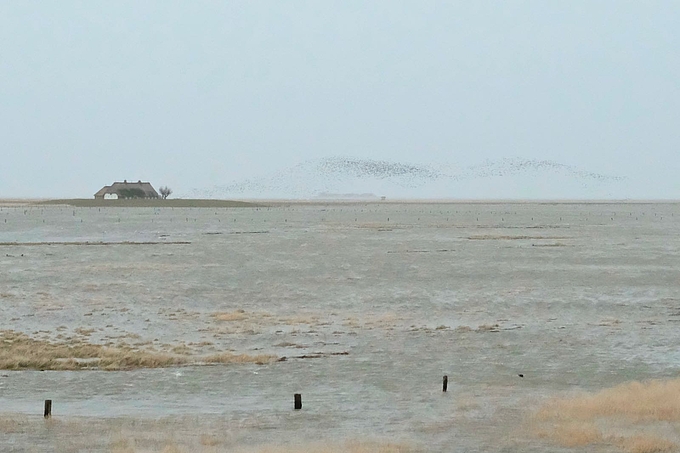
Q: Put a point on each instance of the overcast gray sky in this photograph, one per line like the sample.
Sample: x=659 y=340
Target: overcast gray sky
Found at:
x=196 y=93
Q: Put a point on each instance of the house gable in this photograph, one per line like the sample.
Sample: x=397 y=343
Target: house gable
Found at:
x=127 y=189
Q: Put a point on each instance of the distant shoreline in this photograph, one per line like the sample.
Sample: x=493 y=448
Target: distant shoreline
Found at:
x=133 y=203
x=314 y=201
x=254 y=203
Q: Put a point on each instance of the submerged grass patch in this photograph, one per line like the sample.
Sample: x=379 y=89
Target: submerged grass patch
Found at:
x=212 y=444
x=18 y=351
x=491 y=237
x=633 y=416
x=341 y=447
x=237 y=315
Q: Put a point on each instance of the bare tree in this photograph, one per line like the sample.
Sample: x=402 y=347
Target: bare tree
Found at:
x=165 y=191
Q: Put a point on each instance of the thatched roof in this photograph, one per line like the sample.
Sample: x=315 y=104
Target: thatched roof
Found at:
x=119 y=188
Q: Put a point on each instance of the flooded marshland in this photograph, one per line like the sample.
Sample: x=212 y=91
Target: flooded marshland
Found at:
x=362 y=308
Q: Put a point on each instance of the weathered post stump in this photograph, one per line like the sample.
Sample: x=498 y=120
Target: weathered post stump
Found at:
x=48 y=408
x=298 y=401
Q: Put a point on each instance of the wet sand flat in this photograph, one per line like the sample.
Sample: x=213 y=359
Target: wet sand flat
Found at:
x=361 y=307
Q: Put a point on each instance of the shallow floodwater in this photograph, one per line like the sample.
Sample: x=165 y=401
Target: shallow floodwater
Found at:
x=371 y=304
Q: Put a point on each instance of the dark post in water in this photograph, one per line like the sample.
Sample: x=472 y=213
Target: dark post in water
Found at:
x=298 y=401
x=48 y=408
x=446 y=383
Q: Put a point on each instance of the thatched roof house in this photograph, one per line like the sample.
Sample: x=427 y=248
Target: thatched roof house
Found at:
x=126 y=189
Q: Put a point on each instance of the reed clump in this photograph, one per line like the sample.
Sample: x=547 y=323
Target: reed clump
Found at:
x=18 y=351
x=637 y=401
x=630 y=416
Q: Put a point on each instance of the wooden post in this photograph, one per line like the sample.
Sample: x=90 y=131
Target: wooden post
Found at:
x=445 y=384
x=298 y=401
x=48 y=408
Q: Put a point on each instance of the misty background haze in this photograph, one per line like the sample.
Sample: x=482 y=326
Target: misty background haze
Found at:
x=203 y=96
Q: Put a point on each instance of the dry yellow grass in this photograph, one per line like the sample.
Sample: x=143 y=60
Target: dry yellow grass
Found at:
x=245 y=322
x=241 y=321
x=630 y=416
x=571 y=433
x=490 y=237
x=237 y=315
x=20 y=352
x=637 y=401
x=463 y=329
x=646 y=444
x=170 y=435
x=84 y=332
x=488 y=328
x=227 y=357
x=346 y=447
x=209 y=441
x=13 y=424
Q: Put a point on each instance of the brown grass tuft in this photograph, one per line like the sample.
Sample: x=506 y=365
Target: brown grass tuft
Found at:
x=628 y=416
x=237 y=315
x=491 y=237
x=637 y=401
x=227 y=357
x=346 y=447
x=488 y=328
x=84 y=332
x=646 y=444
x=14 y=424
x=463 y=329
x=20 y=352
x=572 y=434
x=209 y=441
x=168 y=435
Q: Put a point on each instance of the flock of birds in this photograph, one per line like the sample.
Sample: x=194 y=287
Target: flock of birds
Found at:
x=338 y=174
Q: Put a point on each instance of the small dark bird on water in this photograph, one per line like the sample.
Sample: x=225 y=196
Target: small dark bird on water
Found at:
x=520 y=375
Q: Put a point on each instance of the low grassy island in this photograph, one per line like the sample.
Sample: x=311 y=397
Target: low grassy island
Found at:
x=149 y=203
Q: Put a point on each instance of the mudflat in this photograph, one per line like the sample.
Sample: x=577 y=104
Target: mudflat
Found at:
x=171 y=328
